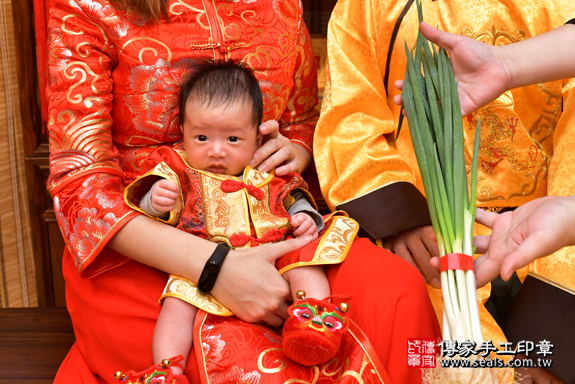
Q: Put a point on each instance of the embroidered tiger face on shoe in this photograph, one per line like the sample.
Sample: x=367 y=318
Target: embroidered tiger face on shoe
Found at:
x=312 y=334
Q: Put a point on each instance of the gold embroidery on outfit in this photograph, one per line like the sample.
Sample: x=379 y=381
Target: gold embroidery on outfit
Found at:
x=498 y=145
x=337 y=240
x=340 y=369
x=226 y=214
x=188 y=291
x=168 y=50
x=337 y=367
x=63 y=25
x=492 y=36
x=299 y=381
x=256 y=30
x=262 y=217
x=164 y=171
x=261 y=367
x=222 y=210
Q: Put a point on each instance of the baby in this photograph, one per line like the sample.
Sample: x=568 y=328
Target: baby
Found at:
x=221 y=109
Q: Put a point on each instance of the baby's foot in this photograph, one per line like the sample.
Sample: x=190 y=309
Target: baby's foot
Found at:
x=166 y=371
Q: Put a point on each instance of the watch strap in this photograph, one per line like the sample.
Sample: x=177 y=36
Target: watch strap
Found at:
x=212 y=269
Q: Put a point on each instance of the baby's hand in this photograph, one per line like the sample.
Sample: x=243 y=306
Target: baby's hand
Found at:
x=164 y=196
x=303 y=224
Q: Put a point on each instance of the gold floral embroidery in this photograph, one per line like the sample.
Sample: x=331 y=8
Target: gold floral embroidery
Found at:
x=357 y=375
x=338 y=367
x=287 y=11
x=261 y=367
x=337 y=241
x=305 y=95
x=230 y=28
x=256 y=31
x=223 y=211
x=495 y=37
x=80 y=31
x=299 y=381
x=200 y=12
x=325 y=370
x=188 y=291
x=262 y=217
x=494 y=131
x=168 y=50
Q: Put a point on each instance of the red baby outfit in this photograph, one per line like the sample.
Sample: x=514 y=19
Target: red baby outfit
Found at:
x=241 y=214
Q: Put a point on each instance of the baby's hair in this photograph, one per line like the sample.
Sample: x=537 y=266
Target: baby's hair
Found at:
x=217 y=82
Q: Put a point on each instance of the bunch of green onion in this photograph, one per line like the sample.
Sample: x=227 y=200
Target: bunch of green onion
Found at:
x=434 y=113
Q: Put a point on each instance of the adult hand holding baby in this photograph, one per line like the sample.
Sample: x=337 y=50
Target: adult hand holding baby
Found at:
x=277 y=149
x=250 y=285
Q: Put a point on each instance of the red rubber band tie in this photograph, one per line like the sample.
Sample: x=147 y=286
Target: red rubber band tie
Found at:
x=456 y=261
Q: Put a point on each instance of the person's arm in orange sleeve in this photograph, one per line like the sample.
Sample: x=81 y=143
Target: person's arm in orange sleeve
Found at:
x=485 y=71
x=361 y=169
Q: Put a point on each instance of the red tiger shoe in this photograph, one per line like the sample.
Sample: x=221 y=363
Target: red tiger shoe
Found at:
x=312 y=333
x=157 y=374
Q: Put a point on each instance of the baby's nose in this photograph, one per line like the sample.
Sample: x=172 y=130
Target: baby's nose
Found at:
x=217 y=150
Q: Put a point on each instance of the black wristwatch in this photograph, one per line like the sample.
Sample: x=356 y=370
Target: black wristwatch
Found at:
x=212 y=269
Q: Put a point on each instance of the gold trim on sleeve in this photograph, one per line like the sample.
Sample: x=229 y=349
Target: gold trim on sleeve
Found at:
x=186 y=290
x=164 y=171
x=334 y=245
x=552 y=282
x=256 y=177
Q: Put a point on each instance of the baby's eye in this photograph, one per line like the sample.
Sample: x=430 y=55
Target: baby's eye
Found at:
x=233 y=139
x=202 y=138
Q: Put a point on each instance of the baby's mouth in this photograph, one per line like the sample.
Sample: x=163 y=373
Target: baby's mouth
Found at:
x=217 y=169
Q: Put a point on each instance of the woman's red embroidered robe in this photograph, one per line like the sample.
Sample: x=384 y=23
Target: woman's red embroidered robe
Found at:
x=113 y=93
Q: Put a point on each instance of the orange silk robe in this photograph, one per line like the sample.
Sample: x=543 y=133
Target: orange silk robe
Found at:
x=527 y=134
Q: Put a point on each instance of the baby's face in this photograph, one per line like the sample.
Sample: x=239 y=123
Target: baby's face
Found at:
x=219 y=139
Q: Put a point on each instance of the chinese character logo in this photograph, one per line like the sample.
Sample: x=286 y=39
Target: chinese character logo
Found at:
x=421 y=353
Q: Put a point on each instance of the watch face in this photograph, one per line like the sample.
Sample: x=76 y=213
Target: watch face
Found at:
x=212 y=269
x=213 y=266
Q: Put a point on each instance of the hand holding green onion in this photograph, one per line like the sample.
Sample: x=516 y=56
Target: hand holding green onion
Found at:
x=435 y=122
x=417 y=246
